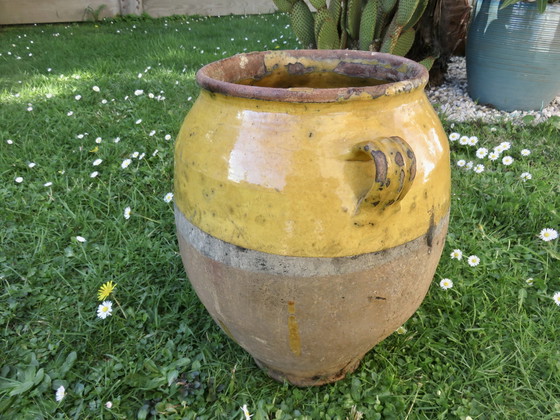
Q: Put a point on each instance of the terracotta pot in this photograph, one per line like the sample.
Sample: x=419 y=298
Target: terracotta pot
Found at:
x=312 y=196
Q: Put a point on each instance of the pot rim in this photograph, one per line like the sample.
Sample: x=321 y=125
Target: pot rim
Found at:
x=222 y=76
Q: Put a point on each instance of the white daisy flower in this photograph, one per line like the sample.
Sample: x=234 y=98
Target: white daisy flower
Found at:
x=505 y=145
x=246 y=412
x=152 y=133
x=96 y=88
x=125 y=163
x=401 y=330
x=548 y=234
x=469 y=166
x=456 y=254
x=47 y=184
x=473 y=260
x=464 y=140
x=134 y=155
x=138 y=92
x=138 y=121
x=60 y=393
x=155 y=152
x=127 y=212
x=507 y=160
x=98 y=140
x=167 y=137
x=525 y=176
x=473 y=140
x=108 y=405
x=81 y=239
x=556 y=298
x=141 y=156
x=70 y=113
x=105 y=309
x=461 y=163
x=10 y=141
x=493 y=155
x=103 y=101
x=97 y=162
x=446 y=284
x=525 y=152
x=78 y=97
x=117 y=139
x=31 y=164
x=93 y=174
x=530 y=281
x=454 y=136
x=80 y=136
x=499 y=149
x=30 y=108
x=479 y=168
x=19 y=179
x=168 y=197
x=482 y=152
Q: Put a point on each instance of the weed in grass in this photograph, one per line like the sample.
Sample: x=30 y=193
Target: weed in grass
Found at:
x=115 y=93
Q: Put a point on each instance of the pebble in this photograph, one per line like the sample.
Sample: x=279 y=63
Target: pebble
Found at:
x=452 y=100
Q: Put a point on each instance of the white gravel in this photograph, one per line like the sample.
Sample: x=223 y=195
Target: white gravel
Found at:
x=451 y=99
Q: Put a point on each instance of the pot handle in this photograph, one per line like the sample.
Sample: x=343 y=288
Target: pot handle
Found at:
x=395 y=169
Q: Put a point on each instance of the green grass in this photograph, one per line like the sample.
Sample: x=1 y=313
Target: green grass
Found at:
x=486 y=348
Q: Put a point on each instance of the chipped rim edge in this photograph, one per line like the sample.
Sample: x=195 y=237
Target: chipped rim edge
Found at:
x=221 y=76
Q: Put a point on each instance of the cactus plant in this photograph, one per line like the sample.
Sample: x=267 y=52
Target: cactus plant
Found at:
x=374 y=25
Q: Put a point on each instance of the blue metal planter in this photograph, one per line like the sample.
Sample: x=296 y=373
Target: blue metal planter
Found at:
x=513 y=55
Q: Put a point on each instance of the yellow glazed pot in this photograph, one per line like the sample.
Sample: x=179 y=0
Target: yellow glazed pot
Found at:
x=311 y=201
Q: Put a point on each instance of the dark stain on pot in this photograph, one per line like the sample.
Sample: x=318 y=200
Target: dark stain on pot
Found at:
x=430 y=233
x=293 y=330
x=380 y=166
x=298 y=68
x=241 y=249
x=399 y=159
x=412 y=169
x=401 y=180
x=372 y=298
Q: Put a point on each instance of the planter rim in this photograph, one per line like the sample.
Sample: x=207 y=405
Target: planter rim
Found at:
x=402 y=74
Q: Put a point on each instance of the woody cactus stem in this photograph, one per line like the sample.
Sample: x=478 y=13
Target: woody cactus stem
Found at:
x=374 y=25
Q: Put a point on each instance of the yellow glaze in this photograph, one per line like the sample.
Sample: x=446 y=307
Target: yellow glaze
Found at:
x=294 y=178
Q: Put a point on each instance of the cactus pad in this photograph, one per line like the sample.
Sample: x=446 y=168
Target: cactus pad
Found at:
x=405 y=11
x=302 y=23
x=404 y=42
x=284 y=5
x=367 y=24
x=328 y=35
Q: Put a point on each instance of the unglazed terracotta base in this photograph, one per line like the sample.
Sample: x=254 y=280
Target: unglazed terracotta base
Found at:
x=308 y=321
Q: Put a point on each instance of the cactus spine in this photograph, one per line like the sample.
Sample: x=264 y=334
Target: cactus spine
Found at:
x=375 y=25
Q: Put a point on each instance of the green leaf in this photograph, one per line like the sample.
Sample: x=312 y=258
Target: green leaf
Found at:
x=68 y=363
x=507 y=3
x=150 y=366
x=21 y=388
x=521 y=296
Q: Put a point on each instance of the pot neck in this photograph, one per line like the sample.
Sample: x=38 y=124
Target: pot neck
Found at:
x=256 y=75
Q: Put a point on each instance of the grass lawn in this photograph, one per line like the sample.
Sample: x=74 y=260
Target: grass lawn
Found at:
x=87 y=120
